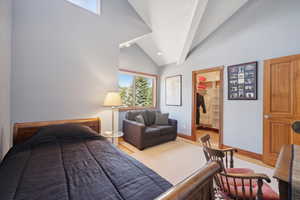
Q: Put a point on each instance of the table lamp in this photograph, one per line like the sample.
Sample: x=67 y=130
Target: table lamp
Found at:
x=113 y=100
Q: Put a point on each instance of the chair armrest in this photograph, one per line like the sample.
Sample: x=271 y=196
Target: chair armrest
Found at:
x=172 y=122
x=134 y=132
x=229 y=150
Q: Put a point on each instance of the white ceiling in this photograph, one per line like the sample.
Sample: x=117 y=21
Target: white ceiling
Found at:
x=180 y=25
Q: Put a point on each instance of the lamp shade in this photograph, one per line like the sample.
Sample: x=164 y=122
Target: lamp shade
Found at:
x=113 y=99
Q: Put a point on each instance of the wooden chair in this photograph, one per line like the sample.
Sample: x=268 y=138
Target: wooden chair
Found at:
x=248 y=186
x=229 y=163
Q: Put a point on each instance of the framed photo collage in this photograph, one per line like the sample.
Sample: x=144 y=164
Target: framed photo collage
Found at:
x=242 y=81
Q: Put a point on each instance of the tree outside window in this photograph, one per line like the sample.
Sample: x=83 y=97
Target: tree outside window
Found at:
x=137 y=91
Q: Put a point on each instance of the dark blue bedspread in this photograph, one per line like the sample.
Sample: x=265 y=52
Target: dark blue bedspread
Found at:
x=76 y=169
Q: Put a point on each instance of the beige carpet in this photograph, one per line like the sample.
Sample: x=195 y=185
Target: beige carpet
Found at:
x=176 y=160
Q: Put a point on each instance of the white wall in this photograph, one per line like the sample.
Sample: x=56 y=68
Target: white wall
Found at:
x=262 y=29
x=134 y=58
x=5 y=68
x=65 y=58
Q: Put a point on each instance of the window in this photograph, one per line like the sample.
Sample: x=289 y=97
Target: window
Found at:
x=137 y=90
x=91 y=5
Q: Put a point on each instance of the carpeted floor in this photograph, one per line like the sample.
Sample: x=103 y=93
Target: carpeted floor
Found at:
x=176 y=160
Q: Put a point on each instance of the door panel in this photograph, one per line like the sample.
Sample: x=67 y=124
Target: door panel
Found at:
x=278 y=133
x=281 y=105
x=281 y=91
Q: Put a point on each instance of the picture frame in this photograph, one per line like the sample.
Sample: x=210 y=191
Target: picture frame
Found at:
x=173 y=90
x=242 y=81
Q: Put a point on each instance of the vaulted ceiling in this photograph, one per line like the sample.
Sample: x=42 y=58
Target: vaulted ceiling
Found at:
x=178 y=26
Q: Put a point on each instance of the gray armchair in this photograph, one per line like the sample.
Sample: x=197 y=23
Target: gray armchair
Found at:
x=143 y=136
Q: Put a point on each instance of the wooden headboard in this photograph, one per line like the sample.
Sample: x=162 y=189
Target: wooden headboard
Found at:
x=23 y=131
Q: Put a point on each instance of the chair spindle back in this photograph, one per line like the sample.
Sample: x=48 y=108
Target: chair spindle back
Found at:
x=228 y=158
x=236 y=186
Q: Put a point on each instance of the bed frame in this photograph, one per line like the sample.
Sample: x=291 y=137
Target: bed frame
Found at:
x=199 y=186
x=23 y=131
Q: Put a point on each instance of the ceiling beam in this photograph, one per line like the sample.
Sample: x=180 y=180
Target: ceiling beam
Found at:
x=133 y=41
x=198 y=12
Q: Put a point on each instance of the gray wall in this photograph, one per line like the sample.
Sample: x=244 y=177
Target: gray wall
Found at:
x=5 y=68
x=261 y=30
x=65 y=58
x=134 y=58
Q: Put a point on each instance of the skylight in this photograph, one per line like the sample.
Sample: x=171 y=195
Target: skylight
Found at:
x=91 y=5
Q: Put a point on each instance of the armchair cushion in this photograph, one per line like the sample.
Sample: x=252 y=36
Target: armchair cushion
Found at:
x=131 y=115
x=152 y=131
x=140 y=119
x=165 y=129
x=151 y=114
x=162 y=119
x=148 y=115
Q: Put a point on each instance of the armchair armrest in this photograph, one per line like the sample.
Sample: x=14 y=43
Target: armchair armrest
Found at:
x=134 y=132
x=134 y=123
x=172 y=122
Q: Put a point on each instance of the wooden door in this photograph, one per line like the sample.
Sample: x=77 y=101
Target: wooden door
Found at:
x=281 y=105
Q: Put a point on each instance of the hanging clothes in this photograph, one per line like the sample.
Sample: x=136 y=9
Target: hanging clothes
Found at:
x=200 y=103
x=211 y=118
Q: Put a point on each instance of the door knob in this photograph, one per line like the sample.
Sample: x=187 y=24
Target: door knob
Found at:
x=266 y=116
x=296 y=126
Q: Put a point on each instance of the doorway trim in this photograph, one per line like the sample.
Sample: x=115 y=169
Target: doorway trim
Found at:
x=221 y=101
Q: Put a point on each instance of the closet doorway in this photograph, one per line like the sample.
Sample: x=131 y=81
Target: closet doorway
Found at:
x=207 y=112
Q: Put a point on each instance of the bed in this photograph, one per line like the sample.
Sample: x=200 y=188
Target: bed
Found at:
x=69 y=160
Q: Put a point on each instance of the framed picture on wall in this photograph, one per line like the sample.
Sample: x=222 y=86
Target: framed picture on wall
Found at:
x=173 y=90
x=242 y=81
